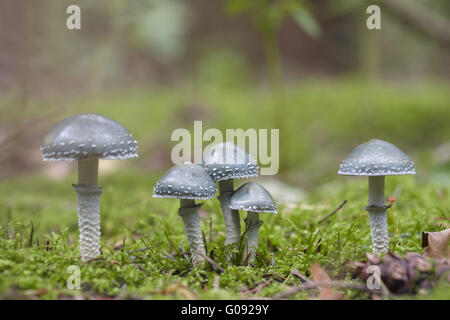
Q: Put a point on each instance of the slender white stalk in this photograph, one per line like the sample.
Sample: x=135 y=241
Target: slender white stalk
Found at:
x=231 y=217
x=378 y=215
x=252 y=225
x=89 y=220
x=88 y=195
x=189 y=213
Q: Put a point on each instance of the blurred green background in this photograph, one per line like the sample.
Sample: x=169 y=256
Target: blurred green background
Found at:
x=309 y=68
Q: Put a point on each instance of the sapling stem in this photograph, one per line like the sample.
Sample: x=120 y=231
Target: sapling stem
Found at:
x=378 y=215
x=189 y=213
x=88 y=195
x=252 y=225
x=231 y=217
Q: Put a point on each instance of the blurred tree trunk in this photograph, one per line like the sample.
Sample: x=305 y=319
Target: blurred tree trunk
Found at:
x=369 y=42
x=27 y=20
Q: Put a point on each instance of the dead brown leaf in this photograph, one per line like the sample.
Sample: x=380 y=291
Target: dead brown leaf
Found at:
x=187 y=294
x=411 y=274
x=36 y=292
x=436 y=244
x=257 y=289
x=326 y=292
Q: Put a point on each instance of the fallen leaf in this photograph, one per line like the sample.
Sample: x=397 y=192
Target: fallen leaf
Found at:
x=436 y=244
x=411 y=274
x=326 y=292
x=187 y=294
x=119 y=244
x=372 y=258
x=35 y=292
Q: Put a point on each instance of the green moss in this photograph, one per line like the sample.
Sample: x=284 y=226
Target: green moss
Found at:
x=153 y=235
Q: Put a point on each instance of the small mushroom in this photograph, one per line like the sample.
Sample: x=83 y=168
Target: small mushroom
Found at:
x=86 y=138
x=377 y=159
x=225 y=162
x=254 y=198
x=188 y=182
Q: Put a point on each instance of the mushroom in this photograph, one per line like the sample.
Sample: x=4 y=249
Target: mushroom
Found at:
x=377 y=159
x=87 y=138
x=254 y=198
x=188 y=182
x=225 y=162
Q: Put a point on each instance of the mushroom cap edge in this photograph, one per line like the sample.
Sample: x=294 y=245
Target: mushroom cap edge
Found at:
x=226 y=160
x=252 y=196
x=185 y=181
x=376 y=158
x=86 y=136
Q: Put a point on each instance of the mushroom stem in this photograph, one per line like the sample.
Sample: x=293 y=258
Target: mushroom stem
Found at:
x=88 y=195
x=252 y=225
x=89 y=220
x=378 y=215
x=88 y=172
x=189 y=213
x=231 y=217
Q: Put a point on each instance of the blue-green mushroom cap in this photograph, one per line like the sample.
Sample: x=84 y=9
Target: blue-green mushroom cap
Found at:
x=376 y=158
x=251 y=196
x=226 y=161
x=86 y=136
x=185 y=181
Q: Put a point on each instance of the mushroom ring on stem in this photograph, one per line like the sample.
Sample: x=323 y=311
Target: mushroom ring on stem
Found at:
x=225 y=162
x=254 y=198
x=377 y=159
x=188 y=182
x=86 y=138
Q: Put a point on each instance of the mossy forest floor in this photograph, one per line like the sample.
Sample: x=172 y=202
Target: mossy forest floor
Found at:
x=143 y=240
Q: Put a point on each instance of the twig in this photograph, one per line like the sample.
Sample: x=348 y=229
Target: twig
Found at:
x=259 y=287
x=168 y=255
x=301 y=276
x=212 y=262
x=247 y=257
x=204 y=242
x=279 y=276
x=315 y=285
x=92 y=260
x=24 y=127
x=256 y=298
x=138 y=250
x=333 y=212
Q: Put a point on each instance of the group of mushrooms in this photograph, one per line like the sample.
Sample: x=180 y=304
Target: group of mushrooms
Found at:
x=87 y=138
x=189 y=182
